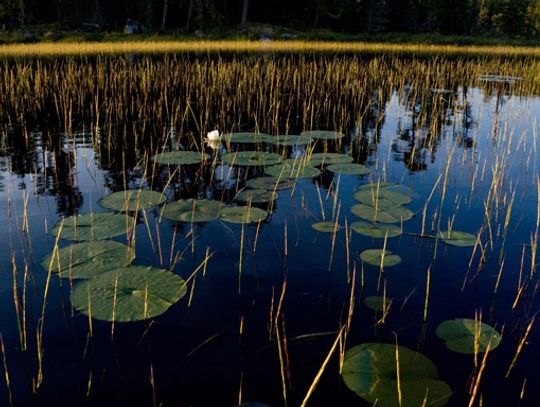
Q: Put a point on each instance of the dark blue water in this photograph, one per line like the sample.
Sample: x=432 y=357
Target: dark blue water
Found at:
x=194 y=354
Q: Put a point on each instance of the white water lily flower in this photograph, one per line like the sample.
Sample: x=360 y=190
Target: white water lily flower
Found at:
x=213 y=136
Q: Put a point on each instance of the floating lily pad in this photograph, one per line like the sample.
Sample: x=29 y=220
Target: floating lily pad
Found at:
x=88 y=259
x=242 y=214
x=459 y=335
x=348 y=169
x=132 y=200
x=385 y=199
x=370 y=370
x=290 y=140
x=376 y=230
x=323 y=135
x=180 y=158
x=457 y=238
x=256 y=196
x=378 y=303
x=325 y=227
x=394 y=214
x=193 y=210
x=387 y=186
x=292 y=171
x=247 y=138
x=251 y=158
x=318 y=159
x=128 y=294
x=375 y=258
x=93 y=226
x=269 y=183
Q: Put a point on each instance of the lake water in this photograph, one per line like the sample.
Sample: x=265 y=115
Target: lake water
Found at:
x=475 y=144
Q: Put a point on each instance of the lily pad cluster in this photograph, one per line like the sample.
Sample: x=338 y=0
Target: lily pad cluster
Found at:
x=180 y=157
x=206 y=210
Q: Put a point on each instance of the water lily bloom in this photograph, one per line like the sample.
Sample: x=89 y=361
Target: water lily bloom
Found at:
x=213 y=135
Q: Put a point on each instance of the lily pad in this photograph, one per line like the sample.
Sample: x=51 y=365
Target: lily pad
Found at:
x=384 y=199
x=318 y=159
x=132 y=200
x=88 y=259
x=323 y=135
x=247 y=138
x=459 y=335
x=93 y=226
x=378 y=303
x=457 y=238
x=376 y=230
x=387 y=186
x=370 y=370
x=394 y=214
x=349 y=169
x=251 y=158
x=290 y=140
x=180 y=158
x=242 y=214
x=325 y=227
x=256 y=196
x=292 y=171
x=376 y=257
x=193 y=210
x=128 y=294
x=269 y=183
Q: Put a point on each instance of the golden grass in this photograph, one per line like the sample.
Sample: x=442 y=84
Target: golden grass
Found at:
x=157 y=47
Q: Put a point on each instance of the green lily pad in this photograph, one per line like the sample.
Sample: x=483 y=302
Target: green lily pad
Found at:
x=459 y=335
x=290 y=140
x=128 y=294
x=370 y=370
x=394 y=214
x=384 y=199
x=318 y=159
x=93 y=226
x=323 y=135
x=457 y=238
x=292 y=171
x=375 y=258
x=348 y=169
x=377 y=303
x=193 y=210
x=247 y=138
x=242 y=214
x=325 y=227
x=180 y=158
x=376 y=230
x=88 y=259
x=256 y=196
x=251 y=158
x=269 y=183
x=387 y=186
x=132 y=200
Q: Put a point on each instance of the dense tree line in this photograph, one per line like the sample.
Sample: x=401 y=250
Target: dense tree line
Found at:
x=464 y=17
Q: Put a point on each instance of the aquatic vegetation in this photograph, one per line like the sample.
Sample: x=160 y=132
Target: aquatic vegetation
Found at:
x=390 y=375
x=269 y=183
x=256 y=196
x=323 y=135
x=132 y=200
x=247 y=138
x=326 y=227
x=242 y=214
x=393 y=214
x=384 y=199
x=93 y=226
x=457 y=238
x=292 y=170
x=318 y=159
x=348 y=169
x=192 y=210
x=376 y=230
x=128 y=294
x=88 y=259
x=377 y=303
x=251 y=158
x=289 y=140
x=180 y=158
x=468 y=336
x=378 y=257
